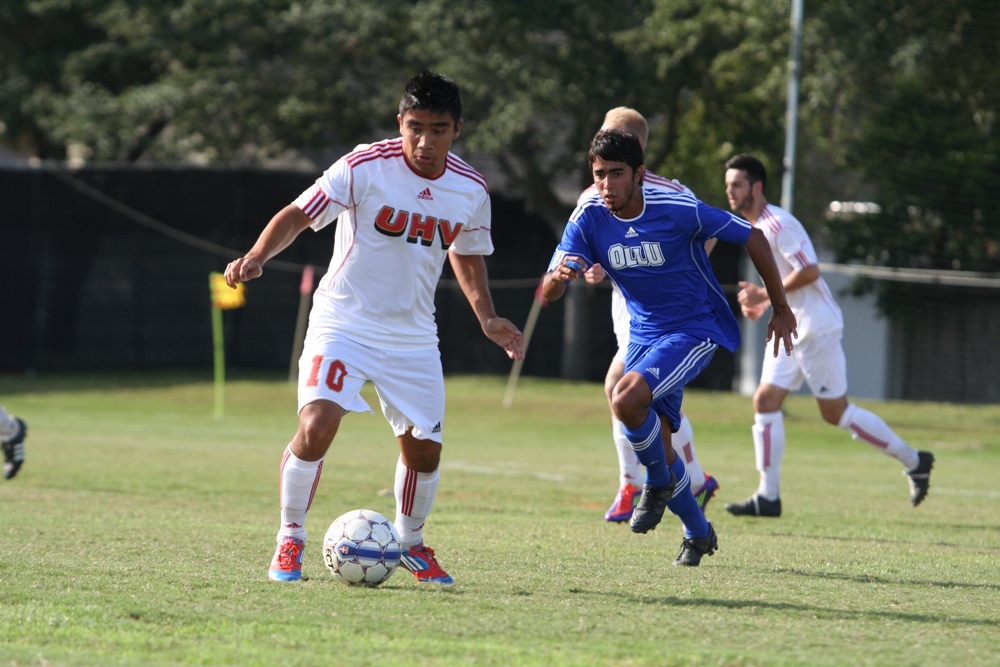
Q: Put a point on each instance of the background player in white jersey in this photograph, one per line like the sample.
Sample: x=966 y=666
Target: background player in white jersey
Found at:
x=12 y=432
x=408 y=203
x=630 y=471
x=650 y=240
x=818 y=358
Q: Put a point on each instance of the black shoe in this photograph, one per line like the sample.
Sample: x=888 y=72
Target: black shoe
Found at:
x=920 y=478
x=755 y=505
x=692 y=549
x=13 y=450
x=648 y=513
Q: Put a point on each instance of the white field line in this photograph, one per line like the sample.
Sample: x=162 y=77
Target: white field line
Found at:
x=489 y=470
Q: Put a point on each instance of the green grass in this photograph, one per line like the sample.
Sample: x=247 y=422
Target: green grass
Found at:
x=139 y=531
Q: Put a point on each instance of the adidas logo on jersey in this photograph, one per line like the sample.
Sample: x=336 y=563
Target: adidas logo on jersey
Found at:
x=631 y=233
x=655 y=372
x=426 y=194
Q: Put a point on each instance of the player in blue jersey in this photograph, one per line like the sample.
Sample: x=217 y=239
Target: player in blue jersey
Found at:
x=650 y=241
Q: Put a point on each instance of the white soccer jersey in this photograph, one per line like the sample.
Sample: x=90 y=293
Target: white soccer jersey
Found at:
x=391 y=242
x=816 y=311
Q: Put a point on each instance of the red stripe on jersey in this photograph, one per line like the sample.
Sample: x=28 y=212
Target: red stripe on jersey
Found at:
x=317 y=204
x=824 y=289
x=771 y=219
x=663 y=181
x=384 y=149
x=333 y=271
x=463 y=168
x=356 y=160
x=586 y=194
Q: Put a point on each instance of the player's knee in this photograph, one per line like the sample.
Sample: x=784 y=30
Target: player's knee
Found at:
x=765 y=401
x=317 y=427
x=832 y=412
x=628 y=400
x=420 y=455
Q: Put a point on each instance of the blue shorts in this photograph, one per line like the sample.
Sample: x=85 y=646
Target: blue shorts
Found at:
x=668 y=365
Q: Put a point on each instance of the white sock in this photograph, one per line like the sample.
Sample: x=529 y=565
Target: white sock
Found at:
x=769 y=446
x=870 y=428
x=8 y=427
x=629 y=468
x=415 y=492
x=298 y=481
x=683 y=444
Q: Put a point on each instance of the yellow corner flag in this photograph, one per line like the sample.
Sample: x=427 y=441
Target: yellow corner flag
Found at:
x=223 y=298
x=222 y=295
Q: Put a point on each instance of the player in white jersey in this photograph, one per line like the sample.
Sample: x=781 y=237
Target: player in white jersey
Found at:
x=405 y=205
x=818 y=358
x=12 y=433
x=630 y=472
x=650 y=240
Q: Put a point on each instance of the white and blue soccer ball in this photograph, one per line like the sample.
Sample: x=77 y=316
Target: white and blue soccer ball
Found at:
x=362 y=547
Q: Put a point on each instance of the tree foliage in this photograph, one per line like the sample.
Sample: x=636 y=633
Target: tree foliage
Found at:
x=898 y=97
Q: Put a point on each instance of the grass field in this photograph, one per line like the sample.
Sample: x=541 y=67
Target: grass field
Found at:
x=139 y=532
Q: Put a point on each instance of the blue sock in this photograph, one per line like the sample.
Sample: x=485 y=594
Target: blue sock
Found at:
x=647 y=443
x=683 y=503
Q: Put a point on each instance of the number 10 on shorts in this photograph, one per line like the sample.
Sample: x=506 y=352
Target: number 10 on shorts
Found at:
x=335 y=374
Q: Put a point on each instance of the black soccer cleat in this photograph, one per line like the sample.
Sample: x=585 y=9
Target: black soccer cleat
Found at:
x=692 y=549
x=13 y=450
x=920 y=478
x=648 y=513
x=755 y=505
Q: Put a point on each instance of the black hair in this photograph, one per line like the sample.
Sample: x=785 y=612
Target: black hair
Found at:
x=754 y=168
x=432 y=92
x=616 y=146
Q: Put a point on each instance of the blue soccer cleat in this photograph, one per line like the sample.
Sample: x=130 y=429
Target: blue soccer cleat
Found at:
x=706 y=492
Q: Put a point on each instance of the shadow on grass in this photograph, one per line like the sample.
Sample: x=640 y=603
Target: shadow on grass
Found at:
x=882 y=540
x=869 y=579
x=817 y=611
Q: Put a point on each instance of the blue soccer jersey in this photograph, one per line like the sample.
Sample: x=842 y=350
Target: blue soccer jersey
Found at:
x=658 y=260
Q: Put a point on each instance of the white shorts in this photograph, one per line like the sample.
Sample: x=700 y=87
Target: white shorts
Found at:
x=621 y=321
x=410 y=383
x=818 y=360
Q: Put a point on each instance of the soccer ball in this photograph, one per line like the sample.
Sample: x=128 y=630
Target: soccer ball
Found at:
x=362 y=547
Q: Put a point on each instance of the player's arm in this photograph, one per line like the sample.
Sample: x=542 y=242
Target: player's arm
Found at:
x=753 y=298
x=287 y=224
x=554 y=282
x=470 y=271
x=782 y=325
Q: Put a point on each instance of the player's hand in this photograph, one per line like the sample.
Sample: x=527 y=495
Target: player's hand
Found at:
x=782 y=327
x=594 y=274
x=241 y=270
x=503 y=332
x=753 y=313
x=751 y=295
x=569 y=269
